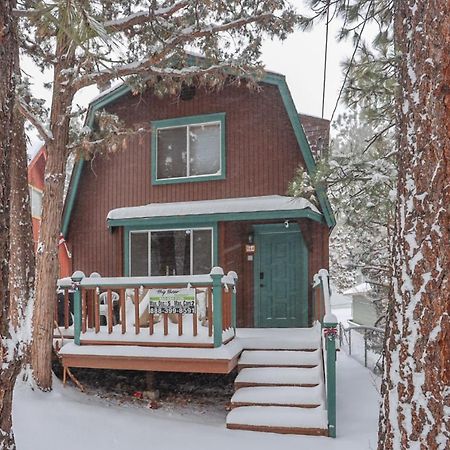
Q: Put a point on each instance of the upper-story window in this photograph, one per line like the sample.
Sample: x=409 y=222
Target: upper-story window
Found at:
x=188 y=149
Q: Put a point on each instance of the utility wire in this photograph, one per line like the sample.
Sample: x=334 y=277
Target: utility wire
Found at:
x=325 y=58
x=351 y=60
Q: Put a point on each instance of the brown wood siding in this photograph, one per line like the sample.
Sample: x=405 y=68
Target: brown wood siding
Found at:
x=261 y=158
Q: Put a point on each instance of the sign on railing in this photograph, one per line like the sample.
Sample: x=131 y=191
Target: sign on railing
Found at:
x=172 y=301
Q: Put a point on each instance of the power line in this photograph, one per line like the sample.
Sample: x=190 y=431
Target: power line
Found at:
x=325 y=58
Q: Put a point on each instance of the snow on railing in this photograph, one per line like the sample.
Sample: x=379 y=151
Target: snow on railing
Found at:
x=204 y=305
x=322 y=279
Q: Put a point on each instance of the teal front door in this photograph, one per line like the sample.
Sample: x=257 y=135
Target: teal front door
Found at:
x=280 y=277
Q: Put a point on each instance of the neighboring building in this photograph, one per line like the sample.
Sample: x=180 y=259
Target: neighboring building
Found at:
x=364 y=310
x=36 y=169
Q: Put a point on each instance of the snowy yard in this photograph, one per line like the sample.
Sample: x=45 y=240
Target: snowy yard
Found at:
x=69 y=419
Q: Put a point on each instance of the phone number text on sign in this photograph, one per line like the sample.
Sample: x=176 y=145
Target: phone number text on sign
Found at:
x=172 y=301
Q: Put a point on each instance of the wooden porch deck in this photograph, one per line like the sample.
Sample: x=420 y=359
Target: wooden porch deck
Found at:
x=184 y=357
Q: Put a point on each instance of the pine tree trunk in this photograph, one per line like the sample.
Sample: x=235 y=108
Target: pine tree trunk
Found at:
x=415 y=391
x=21 y=259
x=9 y=364
x=47 y=264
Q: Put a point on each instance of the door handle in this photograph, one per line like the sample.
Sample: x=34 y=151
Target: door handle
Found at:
x=261 y=285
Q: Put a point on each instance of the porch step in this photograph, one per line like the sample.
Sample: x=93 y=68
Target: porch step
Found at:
x=280 y=338
x=279 y=358
x=302 y=397
x=279 y=419
x=278 y=376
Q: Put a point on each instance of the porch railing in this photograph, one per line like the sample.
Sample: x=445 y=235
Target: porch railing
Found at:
x=109 y=310
x=322 y=294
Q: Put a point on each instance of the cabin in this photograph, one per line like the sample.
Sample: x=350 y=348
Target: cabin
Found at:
x=189 y=255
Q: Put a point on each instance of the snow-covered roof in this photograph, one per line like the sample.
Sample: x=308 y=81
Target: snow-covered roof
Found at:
x=220 y=206
x=359 y=289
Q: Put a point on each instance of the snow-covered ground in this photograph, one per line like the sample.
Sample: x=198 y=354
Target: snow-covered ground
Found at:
x=66 y=418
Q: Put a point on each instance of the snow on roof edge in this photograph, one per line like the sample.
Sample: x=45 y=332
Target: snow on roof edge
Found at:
x=217 y=206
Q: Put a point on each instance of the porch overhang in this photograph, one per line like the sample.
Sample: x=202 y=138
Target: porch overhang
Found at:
x=269 y=207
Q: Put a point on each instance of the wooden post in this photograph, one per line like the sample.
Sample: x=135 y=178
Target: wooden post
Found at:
x=96 y=310
x=166 y=323
x=122 y=311
x=136 y=311
x=216 y=275
x=76 y=278
x=110 y=310
x=233 y=299
x=66 y=308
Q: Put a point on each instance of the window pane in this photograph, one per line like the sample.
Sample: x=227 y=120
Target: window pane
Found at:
x=139 y=254
x=204 y=141
x=36 y=202
x=170 y=253
x=202 y=251
x=172 y=151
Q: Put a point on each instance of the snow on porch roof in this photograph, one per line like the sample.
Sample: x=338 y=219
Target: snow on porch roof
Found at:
x=265 y=204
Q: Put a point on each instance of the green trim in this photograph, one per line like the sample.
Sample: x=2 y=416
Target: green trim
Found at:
x=260 y=230
x=184 y=121
x=77 y=316
x=126 y=251
x=217 y=309
x=302 y=141
x=270 y=78
x=71 y=196
x=330 y=346
x=214 y=218
x=167 y=226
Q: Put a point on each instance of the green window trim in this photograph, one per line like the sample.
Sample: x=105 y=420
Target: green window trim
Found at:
x=169 y=227
x=180 y=122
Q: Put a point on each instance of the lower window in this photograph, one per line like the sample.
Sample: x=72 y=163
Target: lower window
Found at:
x=170 y=252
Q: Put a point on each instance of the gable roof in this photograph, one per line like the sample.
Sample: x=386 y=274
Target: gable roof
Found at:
x=112 y=94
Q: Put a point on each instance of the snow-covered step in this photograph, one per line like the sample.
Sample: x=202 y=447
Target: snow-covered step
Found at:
x=279 y=358
x=278 y=419
x=278 y=376
x=303 y=397
x=280 y=338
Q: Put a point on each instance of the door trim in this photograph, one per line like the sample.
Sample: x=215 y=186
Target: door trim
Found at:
x=260 y=230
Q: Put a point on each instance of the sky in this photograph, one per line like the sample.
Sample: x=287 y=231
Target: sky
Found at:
x=300 y=58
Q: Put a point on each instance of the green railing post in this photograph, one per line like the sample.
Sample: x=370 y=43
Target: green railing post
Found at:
x=216 y=275
x=330 y=332
x=233 y=275
x=76 y=279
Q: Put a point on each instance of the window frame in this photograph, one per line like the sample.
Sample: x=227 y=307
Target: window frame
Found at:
x=204 y=119
x=149 y=232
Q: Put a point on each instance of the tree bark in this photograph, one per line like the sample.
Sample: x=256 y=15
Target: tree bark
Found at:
x=415 y=390
x=10 y=363
x=47 y=264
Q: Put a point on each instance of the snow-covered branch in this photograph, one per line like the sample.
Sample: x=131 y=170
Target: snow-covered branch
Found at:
x=149 y=65
x=43 y=131
x=142 y=17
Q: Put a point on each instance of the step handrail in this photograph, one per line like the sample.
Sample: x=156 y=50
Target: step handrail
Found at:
x=329 y=328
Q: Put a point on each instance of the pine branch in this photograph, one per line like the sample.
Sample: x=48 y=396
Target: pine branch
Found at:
x=43 y=131
x=142 y=17
x=148 y=65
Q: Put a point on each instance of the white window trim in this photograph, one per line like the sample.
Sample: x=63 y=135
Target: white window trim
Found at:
x=149 y=249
